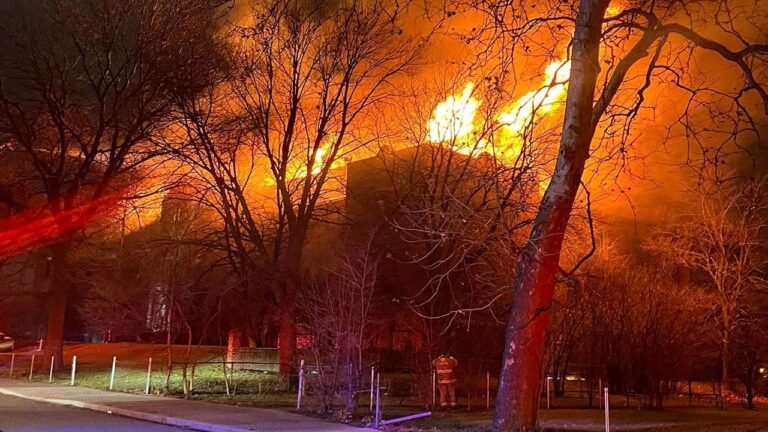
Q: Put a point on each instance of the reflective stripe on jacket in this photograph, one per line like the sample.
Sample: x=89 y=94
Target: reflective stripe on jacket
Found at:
x=445 y=366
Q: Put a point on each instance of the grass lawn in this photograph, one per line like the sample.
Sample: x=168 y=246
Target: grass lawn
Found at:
x=94 y=363
x=253 y=388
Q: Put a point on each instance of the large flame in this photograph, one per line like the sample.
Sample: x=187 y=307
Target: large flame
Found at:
x=527 y=110
x=453 y=120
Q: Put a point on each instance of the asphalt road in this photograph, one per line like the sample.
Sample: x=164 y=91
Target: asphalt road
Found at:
x=21 y=415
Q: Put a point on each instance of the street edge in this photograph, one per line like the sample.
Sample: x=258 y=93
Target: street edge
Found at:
x=138 y=415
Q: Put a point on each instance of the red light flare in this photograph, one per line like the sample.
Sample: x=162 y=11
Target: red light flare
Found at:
x=29 y=230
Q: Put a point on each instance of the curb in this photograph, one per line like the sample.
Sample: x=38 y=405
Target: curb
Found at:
x=138 y=415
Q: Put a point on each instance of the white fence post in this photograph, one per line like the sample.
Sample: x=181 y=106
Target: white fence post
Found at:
x=301 y=385
x=549 y=395
x=13 y=359
x=74 y=369
x=377 y=417
x=50 y=374
x=31 y=367
x=112 y=375
x=149 y=375
x=607 y=411
x=370 y=407
x=434 y=388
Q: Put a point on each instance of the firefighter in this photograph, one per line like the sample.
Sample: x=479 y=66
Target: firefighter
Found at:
x=446 y=379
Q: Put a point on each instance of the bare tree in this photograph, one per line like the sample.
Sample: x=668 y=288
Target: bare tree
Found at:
x=461 y=185
x=657 y=40
x=83 y=86
x=750 y=348
x=301 y=77
x=340 y=314
x=723 y=239
x=463 y=196
x=640 y=330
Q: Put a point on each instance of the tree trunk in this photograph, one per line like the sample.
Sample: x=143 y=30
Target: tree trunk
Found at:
x=286 y=303
x=725 y=385
x=660 y=396
x=750 y=396
x=560 y=392
x=58 y=298
x=169 y=336
x=517 y=401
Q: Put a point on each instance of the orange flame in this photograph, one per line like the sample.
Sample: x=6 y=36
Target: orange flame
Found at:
x=298 y=169
x=453 y=120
